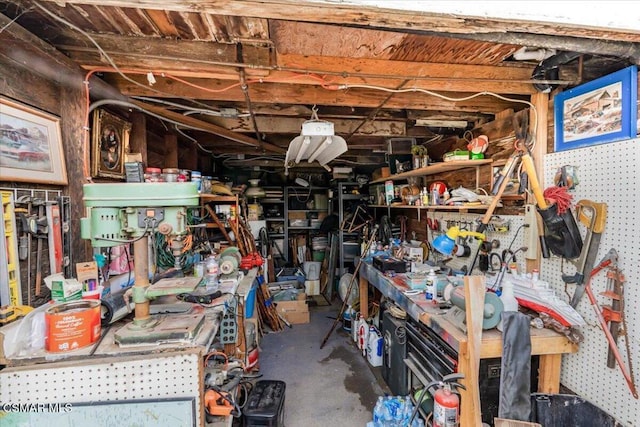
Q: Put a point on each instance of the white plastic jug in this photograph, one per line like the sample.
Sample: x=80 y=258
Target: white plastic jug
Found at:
x=355 y=323
x=312 y=269
x=363 y=335
x=375 y=345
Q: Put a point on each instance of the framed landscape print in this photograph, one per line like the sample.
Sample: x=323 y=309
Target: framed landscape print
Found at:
x=603 y=110
x=30 y=145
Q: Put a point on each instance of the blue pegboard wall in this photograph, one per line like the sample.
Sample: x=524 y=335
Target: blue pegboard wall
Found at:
x=608 y=173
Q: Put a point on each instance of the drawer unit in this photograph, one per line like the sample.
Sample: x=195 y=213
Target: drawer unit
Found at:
x=394 y=370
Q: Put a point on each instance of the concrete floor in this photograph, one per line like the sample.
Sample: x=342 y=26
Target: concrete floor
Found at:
x=332 y=386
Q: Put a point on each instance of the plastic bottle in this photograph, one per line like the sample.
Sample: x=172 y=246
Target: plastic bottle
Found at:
x=535 y=275
x=432 y=280
x=211 y=273
x=424 y=196
x=509 y=301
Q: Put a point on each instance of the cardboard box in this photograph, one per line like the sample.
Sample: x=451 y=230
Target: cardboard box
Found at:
x=63 y=290
x=295 y=312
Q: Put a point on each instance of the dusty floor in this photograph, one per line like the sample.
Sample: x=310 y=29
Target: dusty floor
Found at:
x=332 y=386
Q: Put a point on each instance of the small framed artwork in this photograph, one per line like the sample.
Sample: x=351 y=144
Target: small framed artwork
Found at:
x=603 y=110
x=109 y=143
x=30 y=145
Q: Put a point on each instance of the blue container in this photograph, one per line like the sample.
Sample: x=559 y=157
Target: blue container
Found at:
x=290 y=274
x=251 y=301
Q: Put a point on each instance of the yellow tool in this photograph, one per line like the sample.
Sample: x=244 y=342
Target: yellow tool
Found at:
x=9 y=313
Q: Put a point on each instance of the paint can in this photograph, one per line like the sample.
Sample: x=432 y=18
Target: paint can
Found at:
x=72 y=325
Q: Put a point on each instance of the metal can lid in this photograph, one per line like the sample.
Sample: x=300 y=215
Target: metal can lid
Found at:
x=153 y=170
x=170 y=170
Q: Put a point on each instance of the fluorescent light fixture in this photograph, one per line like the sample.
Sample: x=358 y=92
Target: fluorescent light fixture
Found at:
x=317 y=142
x=323 y=145
x=306 y=141
x=437 y=123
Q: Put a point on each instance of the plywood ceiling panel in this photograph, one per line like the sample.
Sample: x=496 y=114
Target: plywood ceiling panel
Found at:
x=330 y=40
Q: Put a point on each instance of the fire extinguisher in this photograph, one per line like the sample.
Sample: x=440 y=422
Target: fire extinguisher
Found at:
x=446 y=401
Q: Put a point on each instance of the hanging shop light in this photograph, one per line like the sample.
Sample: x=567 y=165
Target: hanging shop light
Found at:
x=316 y=142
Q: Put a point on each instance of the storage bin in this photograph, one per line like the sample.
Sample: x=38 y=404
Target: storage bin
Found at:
x=318 y=255
x=265 y=404
x=351 y=249
x=251 y=301
x=320 y=201
x=290 y=274
x=298 y=223
x=417 y=280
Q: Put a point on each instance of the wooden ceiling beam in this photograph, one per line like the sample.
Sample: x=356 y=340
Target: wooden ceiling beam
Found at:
x=310 y=95
x=449 y=77
x=220 y=60
x=182 y=57
x=210 y=127
x=365 y=16
x=462 y=78
x=280 y=125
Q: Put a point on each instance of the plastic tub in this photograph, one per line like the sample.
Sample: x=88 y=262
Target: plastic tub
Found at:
x=318 y=255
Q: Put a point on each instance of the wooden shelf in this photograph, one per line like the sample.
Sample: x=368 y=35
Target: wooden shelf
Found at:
x=434 y=169
x=435 y=208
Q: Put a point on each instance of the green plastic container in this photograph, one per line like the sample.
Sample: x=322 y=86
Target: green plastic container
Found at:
x=318 y=256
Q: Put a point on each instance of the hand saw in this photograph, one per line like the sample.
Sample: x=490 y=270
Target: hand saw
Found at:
x=593 y=216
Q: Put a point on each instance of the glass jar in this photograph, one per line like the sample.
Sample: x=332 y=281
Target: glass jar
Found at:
x=170 y=175
x=205 y=185
x=196 y=177
x=153 y=175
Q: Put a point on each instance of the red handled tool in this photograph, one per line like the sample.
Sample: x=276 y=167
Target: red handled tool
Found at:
x=611 y=258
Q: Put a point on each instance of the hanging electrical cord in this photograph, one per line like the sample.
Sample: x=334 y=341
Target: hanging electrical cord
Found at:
x=445 y=97
x=29 y=9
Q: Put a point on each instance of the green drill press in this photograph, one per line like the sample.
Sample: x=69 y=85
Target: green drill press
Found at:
x=121 y=213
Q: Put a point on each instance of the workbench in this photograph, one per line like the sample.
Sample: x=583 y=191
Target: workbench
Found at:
x=548 y=344
x=133 y=383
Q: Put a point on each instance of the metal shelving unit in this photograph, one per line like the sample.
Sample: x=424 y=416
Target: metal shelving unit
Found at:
x=298 y=203
x=345 y=238
x=273 y=221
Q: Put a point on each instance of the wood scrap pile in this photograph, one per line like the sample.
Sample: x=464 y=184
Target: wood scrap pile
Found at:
x=267 y=310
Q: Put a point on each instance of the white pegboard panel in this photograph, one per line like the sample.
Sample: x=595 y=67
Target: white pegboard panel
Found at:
x=608 y=174
x=153 y=376
x=505 y=238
